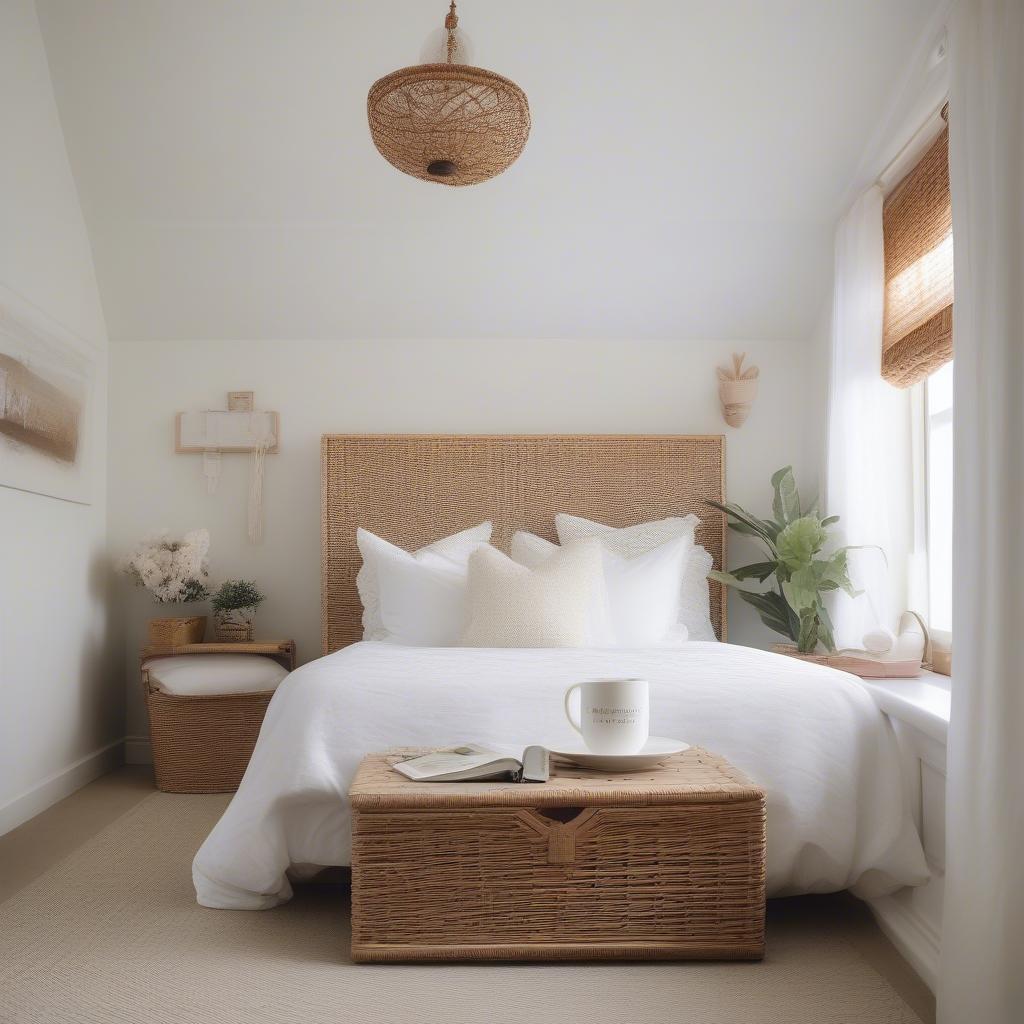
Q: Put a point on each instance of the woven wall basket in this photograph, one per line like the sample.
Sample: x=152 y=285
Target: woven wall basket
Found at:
x=448 y=123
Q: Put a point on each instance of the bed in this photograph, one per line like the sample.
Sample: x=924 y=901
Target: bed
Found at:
x=810 y=735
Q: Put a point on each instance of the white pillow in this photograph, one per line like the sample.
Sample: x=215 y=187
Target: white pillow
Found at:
x=419 y=599
x=215 y=673
x=628 y=541
x=642 y=592
x=550 y=606
x=694 y=599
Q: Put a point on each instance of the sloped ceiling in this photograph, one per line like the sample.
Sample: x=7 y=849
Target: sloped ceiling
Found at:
x=687 y=164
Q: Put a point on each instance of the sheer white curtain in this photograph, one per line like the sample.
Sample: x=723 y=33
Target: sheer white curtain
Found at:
x=982 y=977
x=867 y=482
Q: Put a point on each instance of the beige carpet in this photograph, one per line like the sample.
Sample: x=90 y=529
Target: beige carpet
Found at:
x=112 y=934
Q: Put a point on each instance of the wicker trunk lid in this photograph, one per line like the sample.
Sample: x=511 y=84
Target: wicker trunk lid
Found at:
x=661 y=864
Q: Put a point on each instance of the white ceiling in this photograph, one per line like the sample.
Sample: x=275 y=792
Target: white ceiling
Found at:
x=687 y=164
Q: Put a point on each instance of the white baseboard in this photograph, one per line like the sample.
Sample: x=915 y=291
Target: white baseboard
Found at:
x=61 y=784
x=912 y=934
x=137 y=750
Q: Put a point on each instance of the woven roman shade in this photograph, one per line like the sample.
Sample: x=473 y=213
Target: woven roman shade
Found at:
x=917 y=225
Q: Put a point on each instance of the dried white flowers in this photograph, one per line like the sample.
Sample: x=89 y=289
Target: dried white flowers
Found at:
x=171 y=570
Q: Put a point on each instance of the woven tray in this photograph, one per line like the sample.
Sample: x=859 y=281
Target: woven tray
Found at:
x=665 y=864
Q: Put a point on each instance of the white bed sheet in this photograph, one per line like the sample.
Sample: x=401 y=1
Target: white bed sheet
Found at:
x=812 y=736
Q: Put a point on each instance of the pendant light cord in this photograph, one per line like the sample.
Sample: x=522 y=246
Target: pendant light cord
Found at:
x=451 y=22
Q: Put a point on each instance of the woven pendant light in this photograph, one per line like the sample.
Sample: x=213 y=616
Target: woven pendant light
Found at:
x=448 y=123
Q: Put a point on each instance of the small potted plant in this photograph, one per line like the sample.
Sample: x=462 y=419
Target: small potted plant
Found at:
x=793 y=542
x=174 y=572
x=234 y=610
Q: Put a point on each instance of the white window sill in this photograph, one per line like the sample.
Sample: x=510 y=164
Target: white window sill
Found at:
x=922 y=702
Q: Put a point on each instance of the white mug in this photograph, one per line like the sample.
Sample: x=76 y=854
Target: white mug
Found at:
x=614 y=715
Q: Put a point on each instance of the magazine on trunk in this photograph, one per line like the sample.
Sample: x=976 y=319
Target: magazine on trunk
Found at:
x=470 y=762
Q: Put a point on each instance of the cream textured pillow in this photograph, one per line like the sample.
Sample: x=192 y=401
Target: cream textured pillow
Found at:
x=550 y=606
x=694 y=599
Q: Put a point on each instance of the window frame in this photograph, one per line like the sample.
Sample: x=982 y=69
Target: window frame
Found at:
x=929 y=419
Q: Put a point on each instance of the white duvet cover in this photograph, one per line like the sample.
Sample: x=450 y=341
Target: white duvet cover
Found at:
x=837 y=815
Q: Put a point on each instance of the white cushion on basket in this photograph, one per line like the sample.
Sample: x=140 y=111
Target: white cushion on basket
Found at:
x=194 y=674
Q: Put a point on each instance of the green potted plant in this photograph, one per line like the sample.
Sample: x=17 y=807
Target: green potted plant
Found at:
x=793 y=542
x=234 y=610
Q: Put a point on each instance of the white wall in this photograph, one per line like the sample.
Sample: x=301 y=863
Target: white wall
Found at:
x=232 y=189
x=415 y=386
x=61 y=708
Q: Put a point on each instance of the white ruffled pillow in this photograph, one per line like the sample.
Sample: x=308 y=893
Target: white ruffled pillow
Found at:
x=416 y=599
x=694 y=598
x=549 y=606
x=642 y=593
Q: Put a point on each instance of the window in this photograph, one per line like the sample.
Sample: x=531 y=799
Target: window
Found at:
x=939 y=496
x=917 y=353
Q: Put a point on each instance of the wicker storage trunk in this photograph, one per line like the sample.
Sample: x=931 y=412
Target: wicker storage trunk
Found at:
x=662 y=864
x=202 y=743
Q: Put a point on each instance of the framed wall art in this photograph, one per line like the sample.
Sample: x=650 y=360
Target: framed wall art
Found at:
x=47 y=391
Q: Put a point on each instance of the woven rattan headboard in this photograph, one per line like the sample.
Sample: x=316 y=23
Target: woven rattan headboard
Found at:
x=414 y=489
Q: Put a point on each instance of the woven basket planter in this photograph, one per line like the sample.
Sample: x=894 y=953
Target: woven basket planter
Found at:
x=234 y=626
x=664 y=864
x=177 y=632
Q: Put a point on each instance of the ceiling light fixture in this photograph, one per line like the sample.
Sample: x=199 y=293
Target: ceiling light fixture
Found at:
x=448 y=123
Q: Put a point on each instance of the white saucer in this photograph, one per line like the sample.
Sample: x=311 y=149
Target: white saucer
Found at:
x=653 y=752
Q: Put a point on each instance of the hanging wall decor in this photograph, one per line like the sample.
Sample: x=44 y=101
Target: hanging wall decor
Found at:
x=240 y=428
x=737 y=389
x=448 y=123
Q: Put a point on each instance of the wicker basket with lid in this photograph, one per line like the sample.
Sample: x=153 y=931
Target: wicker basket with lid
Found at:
x=661 y=864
